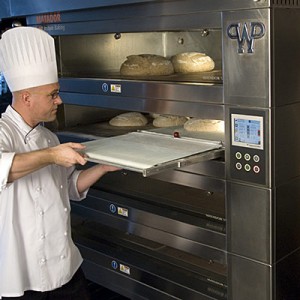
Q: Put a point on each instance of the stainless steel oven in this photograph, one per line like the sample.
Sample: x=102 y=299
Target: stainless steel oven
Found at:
x=224 y=228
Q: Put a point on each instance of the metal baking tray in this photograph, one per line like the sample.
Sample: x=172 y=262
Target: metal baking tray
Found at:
x=150 y=152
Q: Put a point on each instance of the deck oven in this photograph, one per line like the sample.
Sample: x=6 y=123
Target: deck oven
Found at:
x=216 y=224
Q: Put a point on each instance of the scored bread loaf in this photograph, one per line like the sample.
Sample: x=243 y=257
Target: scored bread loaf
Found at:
x=169 y=121
x=129 y=119
x=204 y=125
x=145 y=65
x=192 y=62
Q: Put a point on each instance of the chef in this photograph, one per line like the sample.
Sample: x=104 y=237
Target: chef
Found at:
x=38 y=259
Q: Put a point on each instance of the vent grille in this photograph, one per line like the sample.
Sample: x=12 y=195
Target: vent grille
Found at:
x=286 y=3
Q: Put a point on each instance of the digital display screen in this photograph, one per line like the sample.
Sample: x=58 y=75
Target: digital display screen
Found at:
x=247 y=131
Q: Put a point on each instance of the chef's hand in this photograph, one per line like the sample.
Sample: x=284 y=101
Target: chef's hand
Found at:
x=68 y=154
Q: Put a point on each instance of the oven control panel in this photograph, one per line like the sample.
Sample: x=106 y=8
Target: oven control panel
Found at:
x=248 y=147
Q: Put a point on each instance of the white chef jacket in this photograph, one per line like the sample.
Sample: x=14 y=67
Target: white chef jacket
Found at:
x=36 y=249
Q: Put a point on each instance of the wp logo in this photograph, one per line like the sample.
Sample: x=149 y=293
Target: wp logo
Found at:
x=246 y=34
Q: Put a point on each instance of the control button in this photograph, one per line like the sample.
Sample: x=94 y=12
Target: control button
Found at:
x=256 y=169
x=256 y=158
x=247 y=167
x=247 y=156
x=238 y=166
x=238 y=155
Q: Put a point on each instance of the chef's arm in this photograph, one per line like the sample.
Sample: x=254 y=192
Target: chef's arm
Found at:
x=89 y=176
x=65 y=155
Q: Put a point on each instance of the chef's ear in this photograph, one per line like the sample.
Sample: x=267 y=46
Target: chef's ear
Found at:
x=25 y=97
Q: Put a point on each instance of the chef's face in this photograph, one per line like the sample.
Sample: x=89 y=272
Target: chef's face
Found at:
x=45 y=101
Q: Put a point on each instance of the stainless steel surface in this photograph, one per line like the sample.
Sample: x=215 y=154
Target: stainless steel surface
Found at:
x=250 y=205
x=190 y=104
x=239 y=211
x=185 y=237
x=29 y=7
x=249 y=279
x=239 y=68
x=282 y=37
x=286 y=143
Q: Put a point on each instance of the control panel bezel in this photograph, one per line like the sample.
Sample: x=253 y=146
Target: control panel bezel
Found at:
x=248 y=161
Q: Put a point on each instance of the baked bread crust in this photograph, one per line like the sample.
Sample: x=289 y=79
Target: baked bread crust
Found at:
x=192 y=62
x=146 y=64
x=169 y=121
x=204 y=125
x=129 y=119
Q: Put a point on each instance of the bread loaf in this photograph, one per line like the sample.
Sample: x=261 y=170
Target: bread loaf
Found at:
x=146 y=64
x=192 y=62
x=203 y=125
x=129 y=119
x=154 y=115
x=168 y=121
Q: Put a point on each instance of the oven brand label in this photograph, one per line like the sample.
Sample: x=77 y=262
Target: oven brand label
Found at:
x=246 y=34
x=49 y=18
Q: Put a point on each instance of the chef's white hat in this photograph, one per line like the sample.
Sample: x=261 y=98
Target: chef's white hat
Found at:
x=27 y=58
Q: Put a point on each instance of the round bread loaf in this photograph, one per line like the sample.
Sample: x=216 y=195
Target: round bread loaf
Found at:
x=192 y=62
x=169 y=121
x=203 y=125
x=129 y=119
x=154 y=115
x=146 y=64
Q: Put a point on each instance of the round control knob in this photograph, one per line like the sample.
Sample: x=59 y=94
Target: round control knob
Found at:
x=256 y=169
x=256 y=158
x=247 y=156
x=247 y=167
x=238 y=155
x=238 y=166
